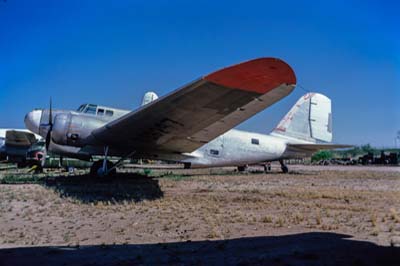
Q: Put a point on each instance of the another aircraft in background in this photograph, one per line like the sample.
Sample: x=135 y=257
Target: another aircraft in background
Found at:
x=192 y=124
x=15 y=144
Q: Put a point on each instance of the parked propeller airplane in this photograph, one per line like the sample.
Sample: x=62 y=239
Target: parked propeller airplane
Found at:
x=15 y=144
x=193 y=124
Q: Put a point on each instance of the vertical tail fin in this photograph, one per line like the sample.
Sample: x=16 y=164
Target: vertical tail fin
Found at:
x=310 y=119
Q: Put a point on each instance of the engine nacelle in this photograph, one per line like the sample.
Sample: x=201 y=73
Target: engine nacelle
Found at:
x=73 y=130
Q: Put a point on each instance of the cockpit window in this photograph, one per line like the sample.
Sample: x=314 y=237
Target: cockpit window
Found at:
x=100 y=112
x=81 y=108
x=91 y=109
x=109 y=113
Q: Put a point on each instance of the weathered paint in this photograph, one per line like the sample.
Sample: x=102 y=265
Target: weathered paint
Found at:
x=260 y=75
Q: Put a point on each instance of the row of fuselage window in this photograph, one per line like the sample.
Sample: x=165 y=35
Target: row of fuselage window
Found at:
x=100 y=111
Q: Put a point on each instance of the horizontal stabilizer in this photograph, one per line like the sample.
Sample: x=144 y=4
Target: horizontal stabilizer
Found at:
x=311 y=148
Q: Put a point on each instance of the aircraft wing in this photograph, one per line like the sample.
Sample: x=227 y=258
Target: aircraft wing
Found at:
x=195 y=114
x=18 y=138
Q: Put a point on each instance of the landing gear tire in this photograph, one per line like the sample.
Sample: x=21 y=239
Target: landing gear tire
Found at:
x=97 y=168
x=267 y=168
x=284 y=168
x=38 y=169
x=242 y=168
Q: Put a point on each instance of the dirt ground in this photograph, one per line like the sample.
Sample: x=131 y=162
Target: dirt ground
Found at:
x=311 y=216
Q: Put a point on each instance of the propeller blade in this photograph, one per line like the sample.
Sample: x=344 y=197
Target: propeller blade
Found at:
x=48 y=139
x=51 y=114
x=48 y=136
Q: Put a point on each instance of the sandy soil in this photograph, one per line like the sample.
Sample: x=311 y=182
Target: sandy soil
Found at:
x=310 y=216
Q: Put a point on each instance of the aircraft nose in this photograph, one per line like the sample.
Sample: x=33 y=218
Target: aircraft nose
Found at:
x=32 y=120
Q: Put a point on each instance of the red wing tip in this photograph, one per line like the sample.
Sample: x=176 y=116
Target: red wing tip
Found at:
x=258 y=75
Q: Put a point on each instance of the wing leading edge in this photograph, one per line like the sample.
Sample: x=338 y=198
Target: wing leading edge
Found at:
x=193 y=115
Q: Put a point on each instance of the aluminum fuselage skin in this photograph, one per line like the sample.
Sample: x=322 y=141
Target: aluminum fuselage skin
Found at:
x=233 y=148
x=237 y=147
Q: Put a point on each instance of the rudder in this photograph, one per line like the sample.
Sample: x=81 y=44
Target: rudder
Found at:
x=310 y=119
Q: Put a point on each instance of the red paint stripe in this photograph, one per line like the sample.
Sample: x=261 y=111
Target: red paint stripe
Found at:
x=259 y=75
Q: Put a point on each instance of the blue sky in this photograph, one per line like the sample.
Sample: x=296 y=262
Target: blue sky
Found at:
x=112 y=52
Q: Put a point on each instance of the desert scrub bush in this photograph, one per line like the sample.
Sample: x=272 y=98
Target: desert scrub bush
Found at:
x=212 y=234
x=280 y=222
x=375 y=232
x=318 y=218
x=175 y=177
x=22 y=179
x=298 y=218
x=147 y=171
x=394 y=215
x=374 y=220
x=266 y=219
x=321 y=155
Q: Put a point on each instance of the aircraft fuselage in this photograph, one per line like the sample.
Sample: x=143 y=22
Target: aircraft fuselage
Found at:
x=235 y=147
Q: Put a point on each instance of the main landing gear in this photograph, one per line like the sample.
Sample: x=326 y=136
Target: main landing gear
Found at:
x=242 y=168
x=267 y=167
x=284 y=168
x=97 y=169
x=102 y=168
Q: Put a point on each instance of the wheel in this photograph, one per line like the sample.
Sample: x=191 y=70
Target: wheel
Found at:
x=242 y=168
x=96 y=169
x=285 y=169
x=267 y=168
x=39 y=168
